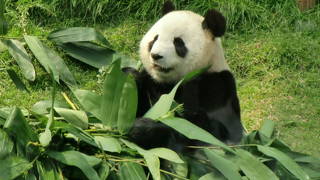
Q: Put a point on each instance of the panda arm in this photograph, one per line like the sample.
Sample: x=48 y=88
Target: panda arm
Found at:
x=147 y=132
x=218 y=98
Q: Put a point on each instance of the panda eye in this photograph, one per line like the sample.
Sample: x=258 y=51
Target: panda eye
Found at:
x=178 y=42
x=180 y=47
x=152 y=42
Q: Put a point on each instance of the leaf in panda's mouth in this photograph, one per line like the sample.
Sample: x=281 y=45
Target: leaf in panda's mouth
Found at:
x=162 y=69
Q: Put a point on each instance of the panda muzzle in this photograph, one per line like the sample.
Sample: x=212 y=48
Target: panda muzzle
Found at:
x=162 y=69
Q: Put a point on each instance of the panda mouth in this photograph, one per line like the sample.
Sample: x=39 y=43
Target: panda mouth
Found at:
x=162 y=69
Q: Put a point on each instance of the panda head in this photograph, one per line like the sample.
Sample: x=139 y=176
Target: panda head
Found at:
x=181 y=42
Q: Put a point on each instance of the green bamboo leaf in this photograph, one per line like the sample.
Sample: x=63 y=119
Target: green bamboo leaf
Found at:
x=267 y=128
x=119 y=102
x=104 y=170
x=77 y=159
x=163 y=105
x=17 y=126
x=128 y=105
x=302 y=158
x=12 y=167
x=90 y=101
x=3 y=22
x=108 y=143
x=2 y=8
x=226 y=167
x=43 y=107
x=47 y=170
x=89 y=53
x=211 y=176
x=130 y=170
x=192 y=131
x=285 y=160
x=252 y=167
x=77 y=118
x=180 y=169
x=153 y=164
x=6 y=145
x=167 y=154
x=76 y=34
x=194 y=74
x=133 y=146
x=22 y=58
x=152 y=160
x=3 y=26
x=81 y=134
x=16 y=80
x=3 y=116
x=50 y=60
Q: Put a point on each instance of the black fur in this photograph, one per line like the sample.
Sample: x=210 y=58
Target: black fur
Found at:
x=215 y=22
x=180 y=47
x=167 y=7
x=156 y=57
x=210 y=101
x=152 y=42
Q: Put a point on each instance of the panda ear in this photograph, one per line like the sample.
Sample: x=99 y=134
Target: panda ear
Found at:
x=215 y=22
x=167 y=7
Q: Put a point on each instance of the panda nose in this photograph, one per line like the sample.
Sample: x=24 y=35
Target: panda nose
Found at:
x=156 y=56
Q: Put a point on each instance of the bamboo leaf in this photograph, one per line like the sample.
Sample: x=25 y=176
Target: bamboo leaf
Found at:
x=192 y=131
x=252 y=167
x=108 y=143
x=267 y=128
x=47 y=170
x=77 y=159
x=50 y=60
x=77 y=118
x=130 y=170
x=3 y=25
x=119 y=102
x=16 y=80
x=180 y=169
x=89 y=53
x=128 y=105
x=153 y=164
x=90 y=101
x=43 y=107
x=76 y=34
x=226 y=167
x=152 y=160
x=22 y=58
x=12 y=167
x=163 y=105
x=81 y=134
x=6 y=145
x=167 y=154
x=104 y=170
x=211 y=176
x=3 y=22
x=17 y=126
x=286 y=161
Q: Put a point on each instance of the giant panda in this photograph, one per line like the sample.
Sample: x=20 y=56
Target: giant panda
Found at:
x=178 y=43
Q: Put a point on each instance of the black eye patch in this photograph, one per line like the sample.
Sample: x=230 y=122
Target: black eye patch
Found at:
x=181 y=48
x=152 y=42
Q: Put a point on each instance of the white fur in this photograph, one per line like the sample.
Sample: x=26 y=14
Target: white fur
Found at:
x=203 y=49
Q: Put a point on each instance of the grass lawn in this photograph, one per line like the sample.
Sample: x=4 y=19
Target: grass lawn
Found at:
x=277 y=70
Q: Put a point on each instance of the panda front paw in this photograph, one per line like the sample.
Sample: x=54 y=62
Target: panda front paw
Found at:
x=149 y=133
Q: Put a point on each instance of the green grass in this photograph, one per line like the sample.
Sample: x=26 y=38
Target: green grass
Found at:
x=272 y=48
